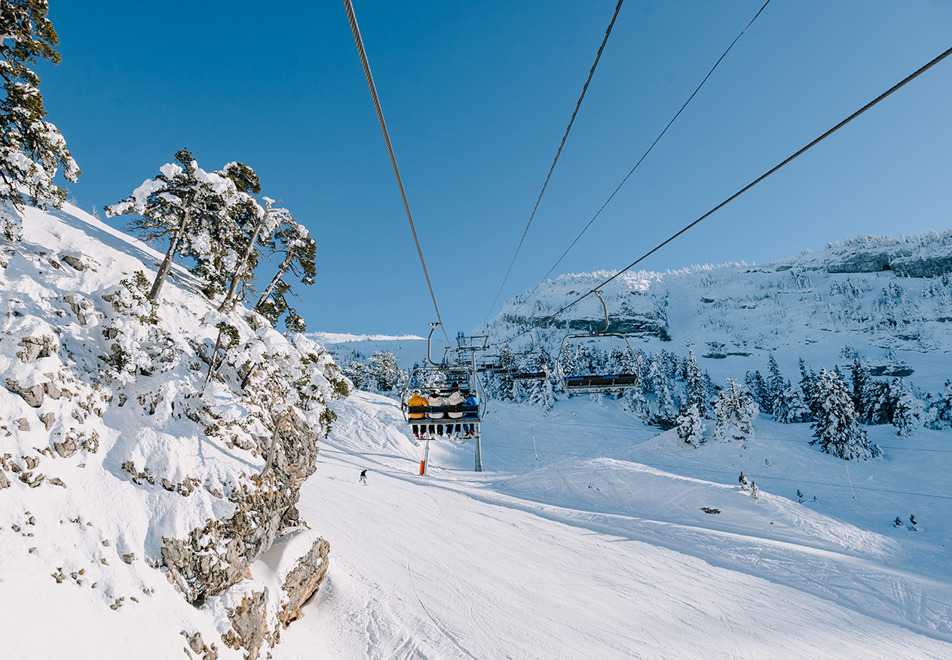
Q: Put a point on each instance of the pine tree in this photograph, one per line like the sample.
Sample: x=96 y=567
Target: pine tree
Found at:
x=836 y=427
x=183 y=204
x=635 y=399
x=385 y=371
x=940 y=408
x=256 y=225
x=696 y=387
x=861 y=378
x=808 y=388
x=776 y=384
x=538 y=392
x=505 y=386
x=908 y=412
x=882 y=402
x=31 y=148
x=757 y=387
x=662 y=385
x=690 y=425
x=566 y=361
x=734 y=412
x=789 y=408
x=293 y=241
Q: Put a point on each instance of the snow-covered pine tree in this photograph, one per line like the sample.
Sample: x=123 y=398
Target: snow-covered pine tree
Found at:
x=385 y=371
x=690 y=425
x=836 y=427
x=359 y=374
x=908 y=412
x=31 y=148
x=635 y=399
x=300 y=250
x=734 y=411
x=882 y=402
x=256 y=226
x=940 y=408
x=808 y=387
x=567 y=362
x=662 y=384
x=696 y=389
x=506 y=390
x=619 y=362
x=789 y=407
x=861 y=378
x=539 y=392
x=183 y=205
x=757 y=387
x=776 y=384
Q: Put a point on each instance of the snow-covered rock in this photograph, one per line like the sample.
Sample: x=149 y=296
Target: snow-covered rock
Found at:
x=137 y=463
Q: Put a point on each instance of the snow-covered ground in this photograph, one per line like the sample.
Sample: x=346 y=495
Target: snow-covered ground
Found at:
x=587 y=534
x=584 y=536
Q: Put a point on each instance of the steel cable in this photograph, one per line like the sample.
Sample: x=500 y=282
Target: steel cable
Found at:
x=352 y=19
x=556 y=160
x=740 y=192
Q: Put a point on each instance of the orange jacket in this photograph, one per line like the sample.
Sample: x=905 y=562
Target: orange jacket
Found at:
x=416 y=401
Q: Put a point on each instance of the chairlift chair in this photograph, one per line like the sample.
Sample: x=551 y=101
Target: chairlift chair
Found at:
x=522 y=375
x=444 y=377
x=604 y=383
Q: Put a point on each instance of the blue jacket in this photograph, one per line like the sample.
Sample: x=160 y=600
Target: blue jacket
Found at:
x=471 y=401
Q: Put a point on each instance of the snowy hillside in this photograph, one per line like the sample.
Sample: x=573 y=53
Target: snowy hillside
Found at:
x=149 y=469
x=888 y=301
x=140 y=507
x=591 y=535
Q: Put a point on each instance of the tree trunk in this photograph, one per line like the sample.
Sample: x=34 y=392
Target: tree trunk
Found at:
x=167 y=262
x=173 y=246
x=228 y=302
x=277 y=278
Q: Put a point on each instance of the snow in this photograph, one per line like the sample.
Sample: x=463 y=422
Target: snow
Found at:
x=587 y=535
x=594 y=544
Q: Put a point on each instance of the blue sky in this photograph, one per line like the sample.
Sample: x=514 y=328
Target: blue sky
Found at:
x=477 y=96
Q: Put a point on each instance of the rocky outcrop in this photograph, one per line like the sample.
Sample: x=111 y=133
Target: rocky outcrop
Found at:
x=36 y=347
x=219 y=554
x=303 y=581
x=249 y=625
x=34 y=394
x=652 y=325
x=922 y=266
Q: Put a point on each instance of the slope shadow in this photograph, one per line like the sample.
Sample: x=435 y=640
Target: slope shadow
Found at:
x=124 y=243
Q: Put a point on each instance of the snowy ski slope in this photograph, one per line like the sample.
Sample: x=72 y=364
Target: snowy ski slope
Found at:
x=585 y=537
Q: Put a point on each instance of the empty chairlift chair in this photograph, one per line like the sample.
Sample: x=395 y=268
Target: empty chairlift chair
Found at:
x=605 y=382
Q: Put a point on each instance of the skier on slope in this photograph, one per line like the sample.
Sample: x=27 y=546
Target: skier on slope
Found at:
x=363 y=477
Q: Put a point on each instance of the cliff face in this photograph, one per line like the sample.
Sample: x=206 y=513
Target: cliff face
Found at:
x=880 y=298
x=173 y=439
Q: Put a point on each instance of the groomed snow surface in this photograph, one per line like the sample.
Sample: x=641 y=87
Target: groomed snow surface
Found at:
x=584 y=538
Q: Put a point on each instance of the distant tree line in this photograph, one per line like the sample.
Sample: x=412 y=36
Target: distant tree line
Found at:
x=673 y=392
x=378 y=372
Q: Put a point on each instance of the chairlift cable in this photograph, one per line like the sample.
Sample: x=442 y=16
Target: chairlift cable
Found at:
x=657 y=139
x=556 y=160
x=352 y=19
x=750 y=185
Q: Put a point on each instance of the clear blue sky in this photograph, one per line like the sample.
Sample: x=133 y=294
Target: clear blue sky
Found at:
x=477 y=96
